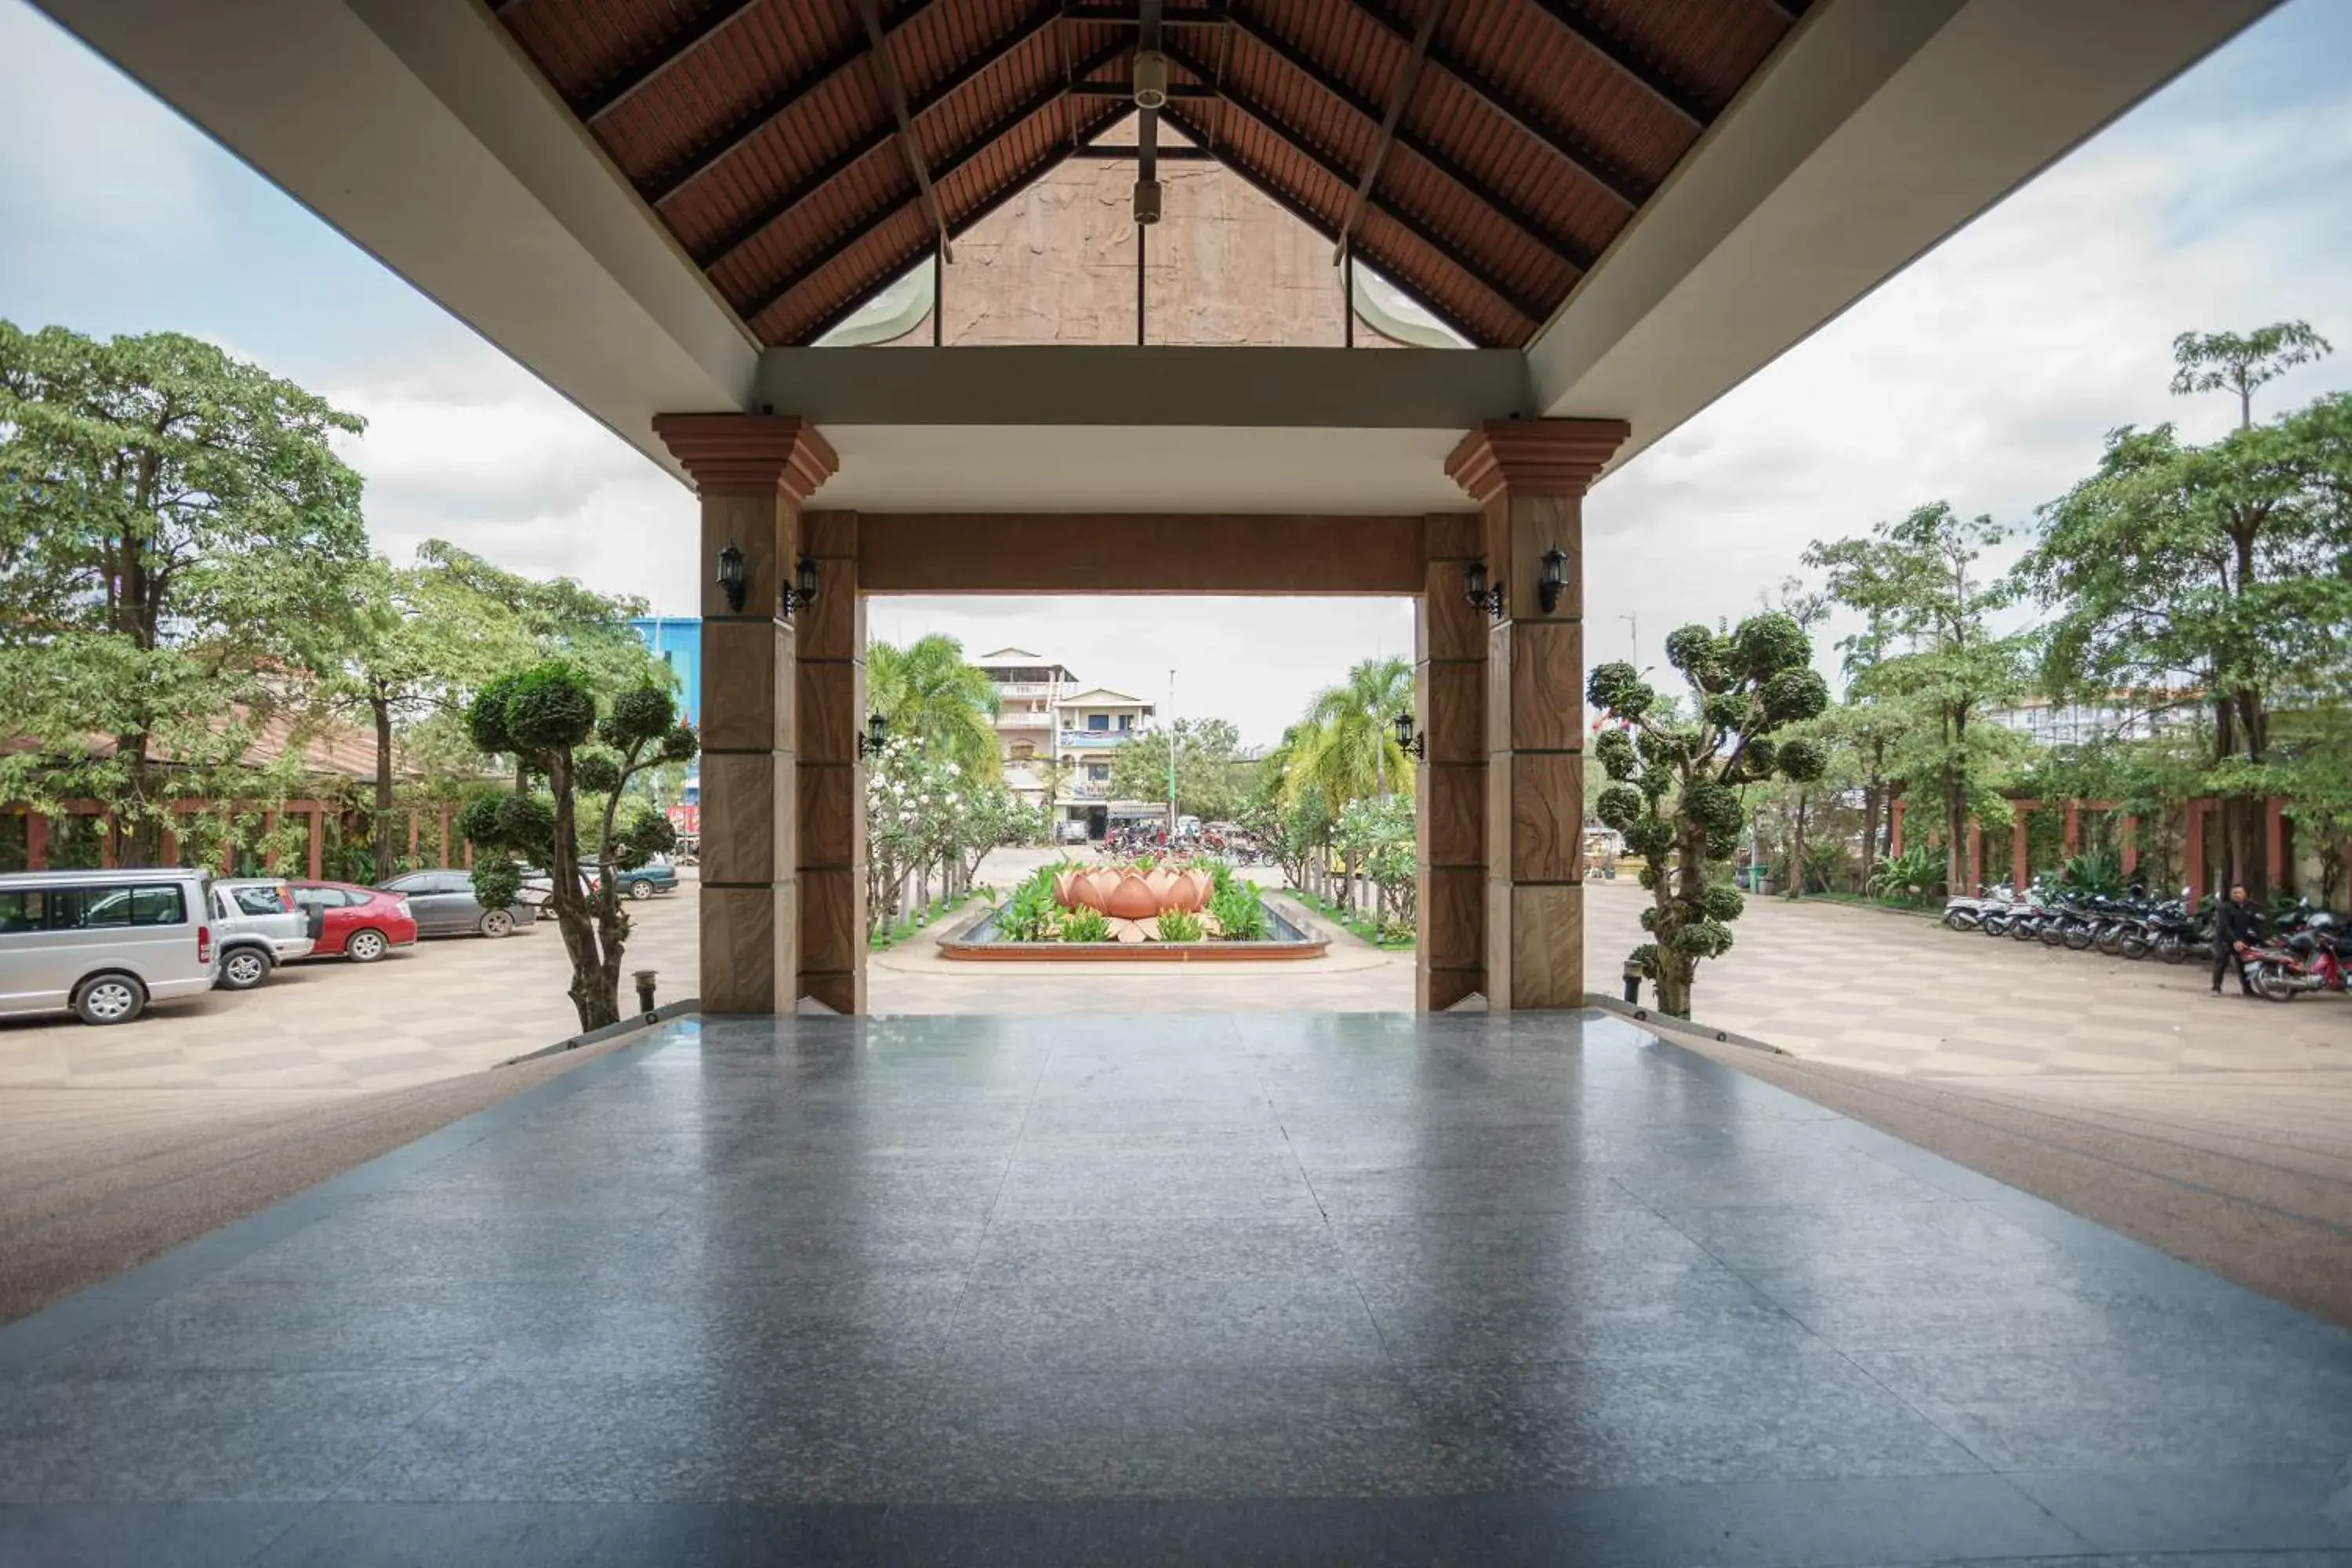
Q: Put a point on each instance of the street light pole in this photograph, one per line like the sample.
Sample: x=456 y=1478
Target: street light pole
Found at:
x=1634 y=621
x=1170 y=721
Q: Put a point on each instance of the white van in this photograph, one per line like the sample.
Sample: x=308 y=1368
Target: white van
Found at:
x=102 y=944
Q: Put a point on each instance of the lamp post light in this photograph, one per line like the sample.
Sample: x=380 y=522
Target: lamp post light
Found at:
x=876 y=736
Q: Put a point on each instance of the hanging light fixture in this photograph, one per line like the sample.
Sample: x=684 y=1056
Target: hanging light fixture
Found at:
x=1475 y=589
x=730 y=577
x=1406 y=740
x=1551 y=582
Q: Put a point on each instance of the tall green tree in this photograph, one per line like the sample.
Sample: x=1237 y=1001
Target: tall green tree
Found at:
x=1347 y=747
x=1208 y=769
x=548 y=719
x=1917 y=583
x=2217 y=575
x=931 y=697
x=2242 y=363
x=1675 y=784
x=177 y=543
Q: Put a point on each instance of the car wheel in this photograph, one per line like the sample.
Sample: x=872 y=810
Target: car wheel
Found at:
x=495 y=923
x=242 y=969
x=109 y=999
x=641 y=889
x=366 y=946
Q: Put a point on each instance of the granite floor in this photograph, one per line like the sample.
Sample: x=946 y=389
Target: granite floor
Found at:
x=1270 y=1288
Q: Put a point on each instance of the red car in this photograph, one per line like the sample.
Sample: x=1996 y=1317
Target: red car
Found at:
x=361 y=924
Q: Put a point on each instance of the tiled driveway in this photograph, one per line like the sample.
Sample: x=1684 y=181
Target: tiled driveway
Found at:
x=1268 y=1288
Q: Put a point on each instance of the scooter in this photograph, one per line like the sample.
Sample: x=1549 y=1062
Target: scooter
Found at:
x=2310 y=959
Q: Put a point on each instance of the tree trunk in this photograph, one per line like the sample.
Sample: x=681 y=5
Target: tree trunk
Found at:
x=1871 y=806
x=383 y=709
x=596 y=990
x=1796 y=852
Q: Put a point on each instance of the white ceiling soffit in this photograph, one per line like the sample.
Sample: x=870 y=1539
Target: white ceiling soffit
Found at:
x=1110 y=467
x=1879 y=128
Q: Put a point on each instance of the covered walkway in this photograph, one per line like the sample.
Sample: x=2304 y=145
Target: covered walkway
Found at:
x=1518 y=1288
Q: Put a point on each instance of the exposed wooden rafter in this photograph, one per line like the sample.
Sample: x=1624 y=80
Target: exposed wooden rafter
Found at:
x=1574 y=20
x=894 y=92
x=878 y=138
x=979 y=144
x=1420 y=147
x=1633 y=192
x=1454 y=255
x=1314 y=220
x=1407 y=79
x=662 y=61
x=772 y=108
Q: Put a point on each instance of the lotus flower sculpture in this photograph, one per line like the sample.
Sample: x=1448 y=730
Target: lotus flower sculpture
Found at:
x=1132 y=893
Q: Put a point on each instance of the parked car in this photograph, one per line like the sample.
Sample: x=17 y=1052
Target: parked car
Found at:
x=361 y=924
x=655 y=876
x=443 y=904
x=103 y=944
x=258 y=926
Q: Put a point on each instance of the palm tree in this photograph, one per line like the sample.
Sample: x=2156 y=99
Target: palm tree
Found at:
x=1347 y=746
x=932 y=697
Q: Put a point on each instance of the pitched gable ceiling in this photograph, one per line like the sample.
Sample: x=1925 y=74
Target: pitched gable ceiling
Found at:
x=767 y=133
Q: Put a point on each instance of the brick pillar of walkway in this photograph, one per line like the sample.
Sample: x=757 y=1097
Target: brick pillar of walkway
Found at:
x=1528 y=478
x=831 y=653
x=752 y=472
x=1450 y=792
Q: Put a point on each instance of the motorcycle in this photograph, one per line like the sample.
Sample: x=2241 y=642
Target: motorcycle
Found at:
x=2308 y=958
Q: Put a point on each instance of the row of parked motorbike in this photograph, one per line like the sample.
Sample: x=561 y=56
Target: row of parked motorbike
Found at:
x=2301 y=947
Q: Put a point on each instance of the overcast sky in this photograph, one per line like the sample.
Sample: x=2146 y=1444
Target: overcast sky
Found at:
x=1985 y=375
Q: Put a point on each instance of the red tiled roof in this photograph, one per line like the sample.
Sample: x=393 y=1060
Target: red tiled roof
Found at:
x=762 y=131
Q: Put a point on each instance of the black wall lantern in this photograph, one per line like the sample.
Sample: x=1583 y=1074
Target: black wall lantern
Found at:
x=1406 y=740
x=1552 y=581
x=1475 y=589
x=801 y=595
x=877 y=734
x=730 y=577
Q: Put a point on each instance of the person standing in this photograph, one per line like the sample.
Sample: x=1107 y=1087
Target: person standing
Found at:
x=2234 y=930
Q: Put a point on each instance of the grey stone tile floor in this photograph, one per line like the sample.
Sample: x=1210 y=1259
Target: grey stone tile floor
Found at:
x=1256 y=1289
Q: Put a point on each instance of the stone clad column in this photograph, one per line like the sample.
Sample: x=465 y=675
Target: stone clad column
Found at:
x=1450 y=792
x=1528 y=478
x=751 y=472
x=831 y=637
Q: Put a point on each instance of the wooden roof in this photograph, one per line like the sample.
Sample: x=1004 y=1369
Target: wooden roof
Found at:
x=766 y=133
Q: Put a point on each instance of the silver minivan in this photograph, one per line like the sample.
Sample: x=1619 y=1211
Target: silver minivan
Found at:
x=102 y=944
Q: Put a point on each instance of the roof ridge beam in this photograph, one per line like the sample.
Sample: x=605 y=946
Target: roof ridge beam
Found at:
x=1631 y=192
x=873 y=141
x=772 y=107
x=1011 y=120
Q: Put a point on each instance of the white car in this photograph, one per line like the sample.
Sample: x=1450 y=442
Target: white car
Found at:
x=258 y=926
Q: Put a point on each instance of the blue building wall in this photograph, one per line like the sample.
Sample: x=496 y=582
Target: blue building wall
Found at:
x=678 y=641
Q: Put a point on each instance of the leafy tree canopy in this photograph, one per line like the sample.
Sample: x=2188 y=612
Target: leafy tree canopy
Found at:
x=1209 y=784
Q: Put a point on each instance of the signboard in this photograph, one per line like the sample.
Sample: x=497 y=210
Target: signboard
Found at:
x=684 y=818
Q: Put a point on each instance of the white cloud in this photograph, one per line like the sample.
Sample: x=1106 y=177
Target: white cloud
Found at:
x=1988 y=373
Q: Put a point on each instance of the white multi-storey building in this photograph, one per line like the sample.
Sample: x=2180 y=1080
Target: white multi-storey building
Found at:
x=2120 y=718
x=1056 y=741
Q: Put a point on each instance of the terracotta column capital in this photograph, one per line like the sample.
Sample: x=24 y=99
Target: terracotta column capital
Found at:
x=748 y=454
x=1538 y=456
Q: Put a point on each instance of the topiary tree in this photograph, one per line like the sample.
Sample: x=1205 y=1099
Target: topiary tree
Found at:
x=1674 y=781
x=546 y=719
